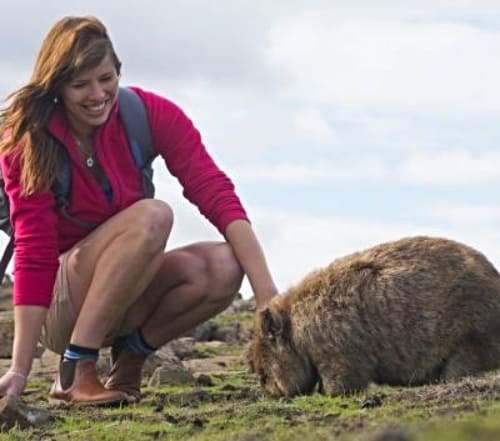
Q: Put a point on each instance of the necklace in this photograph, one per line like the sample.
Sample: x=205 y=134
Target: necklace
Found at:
x=89 y=161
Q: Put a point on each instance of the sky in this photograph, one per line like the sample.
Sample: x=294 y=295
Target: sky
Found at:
x=342 y=124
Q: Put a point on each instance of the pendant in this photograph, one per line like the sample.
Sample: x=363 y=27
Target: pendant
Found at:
x=90 y=162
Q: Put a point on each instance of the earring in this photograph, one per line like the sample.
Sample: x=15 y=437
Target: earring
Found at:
x=56 y=100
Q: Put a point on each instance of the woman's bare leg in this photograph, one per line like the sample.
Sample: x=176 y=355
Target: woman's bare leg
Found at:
x=111 y=268
x=121 y=271
x=192 y=284
x=107 y=271
x=120 y=276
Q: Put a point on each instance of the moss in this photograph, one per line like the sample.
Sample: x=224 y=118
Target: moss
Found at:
x=234 y=409
x=207 y=350
x=225 y=318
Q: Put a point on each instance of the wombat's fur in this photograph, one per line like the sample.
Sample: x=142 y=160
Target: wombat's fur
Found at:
x=409 y=312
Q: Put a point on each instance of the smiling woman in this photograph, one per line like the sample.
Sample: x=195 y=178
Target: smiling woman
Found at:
x=89 y=97
x=77 y=288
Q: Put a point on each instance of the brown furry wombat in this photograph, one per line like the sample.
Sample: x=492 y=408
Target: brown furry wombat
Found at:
x=409 y=312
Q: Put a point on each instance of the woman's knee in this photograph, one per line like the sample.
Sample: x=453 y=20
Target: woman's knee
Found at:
x=215 y=272
x=225 y=273
x=152 y=222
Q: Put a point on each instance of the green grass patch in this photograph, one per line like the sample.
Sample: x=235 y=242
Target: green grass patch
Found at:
x=208 y=349
x=225 y=318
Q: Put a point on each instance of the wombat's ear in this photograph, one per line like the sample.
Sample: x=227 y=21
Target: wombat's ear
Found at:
x=271 y=322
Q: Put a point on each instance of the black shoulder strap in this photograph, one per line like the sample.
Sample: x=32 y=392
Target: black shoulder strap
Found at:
x=6 y=227
x=7 y=255
x=4 y=208
x=62 y=189
x=135 y=119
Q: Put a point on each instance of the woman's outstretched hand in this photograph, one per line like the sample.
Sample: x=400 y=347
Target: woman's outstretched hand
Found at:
x=12 y=383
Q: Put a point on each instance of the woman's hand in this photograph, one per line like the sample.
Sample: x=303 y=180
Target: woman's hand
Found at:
x=249 y=254
x=262 y=300
x=12 y=383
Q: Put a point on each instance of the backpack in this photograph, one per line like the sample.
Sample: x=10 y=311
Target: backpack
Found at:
x=135 y=120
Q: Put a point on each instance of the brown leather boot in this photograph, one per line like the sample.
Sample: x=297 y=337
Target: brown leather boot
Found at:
x=77 y=383
x=125 y=374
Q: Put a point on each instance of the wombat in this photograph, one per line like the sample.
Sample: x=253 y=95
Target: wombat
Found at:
x=409 y=312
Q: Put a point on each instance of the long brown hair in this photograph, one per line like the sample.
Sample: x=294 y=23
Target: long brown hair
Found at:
x=73 y=45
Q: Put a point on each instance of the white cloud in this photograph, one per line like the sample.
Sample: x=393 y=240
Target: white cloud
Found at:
x=310 y=242
x=316 y=92
x=429 y=68
x=304 y=172
x=448 y=167
x=311 y=122
x=476 y=215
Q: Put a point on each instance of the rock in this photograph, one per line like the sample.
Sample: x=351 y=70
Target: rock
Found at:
x=46 y=366
x=6 y=333
x=164 y=355
x=234 y=332
x=212 y=365
x=203 y=380
x=212 y=344
x=5 y=365
x=182 y=347
x=391 y=434
x=103 y=364
x=171 y=375
x=202 y=332
x=13 y=411
x=241 y=305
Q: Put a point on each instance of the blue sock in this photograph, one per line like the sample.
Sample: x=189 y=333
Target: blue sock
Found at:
x=75 y=352
x=136 y=343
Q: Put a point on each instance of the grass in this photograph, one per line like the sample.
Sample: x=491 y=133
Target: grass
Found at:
x=465 y=411
x=233 y=409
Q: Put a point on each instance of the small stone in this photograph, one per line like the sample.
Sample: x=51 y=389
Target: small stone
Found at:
x=6 y=333
x=204 y=380
x=170 y=376
x=13 y=411
x=391 y=434
x=182 y=347
x=373 y=401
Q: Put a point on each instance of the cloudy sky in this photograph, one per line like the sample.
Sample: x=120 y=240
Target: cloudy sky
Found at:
x=342 y=124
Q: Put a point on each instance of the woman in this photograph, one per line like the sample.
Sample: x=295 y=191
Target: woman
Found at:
x=79 y=289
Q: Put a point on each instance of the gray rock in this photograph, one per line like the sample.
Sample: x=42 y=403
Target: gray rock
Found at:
x=171 y=374
x=13 y=411
x=6 y=333
x=234 y=332
x=46 y=366
x=182 y=347
x=202 y=332
x=391 y=434
x=213 y=365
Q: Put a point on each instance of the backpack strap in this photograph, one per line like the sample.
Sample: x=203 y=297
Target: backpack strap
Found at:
x=6 y=227
x=6 y=256
x=62 y=189
x=135 y=119
x=4 y=209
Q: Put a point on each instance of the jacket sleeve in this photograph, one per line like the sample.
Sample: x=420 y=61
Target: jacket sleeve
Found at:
x=36 y=255
x=179 y=143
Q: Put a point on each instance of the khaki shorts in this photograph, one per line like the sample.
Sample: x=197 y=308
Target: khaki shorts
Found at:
x=61 y=317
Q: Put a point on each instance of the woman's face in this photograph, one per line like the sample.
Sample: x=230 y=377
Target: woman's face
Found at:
x=89 y=96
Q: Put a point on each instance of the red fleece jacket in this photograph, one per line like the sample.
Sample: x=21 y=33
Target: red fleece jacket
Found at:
x=42 y=234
